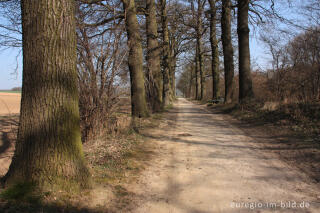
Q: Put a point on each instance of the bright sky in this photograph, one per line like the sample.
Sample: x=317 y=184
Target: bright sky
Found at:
x=9 y=78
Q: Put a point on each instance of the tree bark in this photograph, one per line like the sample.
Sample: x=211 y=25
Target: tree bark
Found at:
x=166 y=54
x=200 y=49
x=153 y=57
x=49 y=150
x=214 y=51
x=190 y=82
x=173 y=62
x=245 y=81
x=135 y=61
x=227 y=50
x=197 y=75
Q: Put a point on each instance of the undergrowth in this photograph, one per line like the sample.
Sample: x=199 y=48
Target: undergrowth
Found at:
x=302 y=119
x=114 y=160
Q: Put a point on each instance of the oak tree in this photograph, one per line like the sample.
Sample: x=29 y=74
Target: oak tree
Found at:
x=135 y=61
x=48 y=149
x=227 y=50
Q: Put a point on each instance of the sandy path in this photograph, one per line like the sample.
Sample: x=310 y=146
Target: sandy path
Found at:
x=207 y=165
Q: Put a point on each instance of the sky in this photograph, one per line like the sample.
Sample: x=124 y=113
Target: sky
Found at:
x=11 y=65
x=10 y=76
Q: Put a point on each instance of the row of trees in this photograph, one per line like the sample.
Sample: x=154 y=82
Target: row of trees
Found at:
x=76 y=59
x=102 y=29
x=208 y=13
x=286 y=38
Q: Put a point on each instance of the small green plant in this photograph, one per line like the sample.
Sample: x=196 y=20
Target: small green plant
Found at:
x=157 y=116
x=168 y=107
x=21 y=192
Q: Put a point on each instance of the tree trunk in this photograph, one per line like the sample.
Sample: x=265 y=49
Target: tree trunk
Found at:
x=49 y=150
x=214 y=50
x=166 y=54
x=153 y=57
x=135 y=60
x=190 y=83
x=227 y=50
x=200 y=49
x=201 y=70
x=173 y=61
x=245 y=81
x=197 y=75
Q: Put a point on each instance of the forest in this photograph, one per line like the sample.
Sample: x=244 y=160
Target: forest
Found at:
x=141 y=105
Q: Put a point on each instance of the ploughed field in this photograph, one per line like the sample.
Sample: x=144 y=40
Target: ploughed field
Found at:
x=9 y=111
x=9 y=103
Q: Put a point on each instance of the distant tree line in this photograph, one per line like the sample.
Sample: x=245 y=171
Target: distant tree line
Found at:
x=16 y=89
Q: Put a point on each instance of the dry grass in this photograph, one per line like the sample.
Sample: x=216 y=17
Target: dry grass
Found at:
x=115 y=159
x=299 y=118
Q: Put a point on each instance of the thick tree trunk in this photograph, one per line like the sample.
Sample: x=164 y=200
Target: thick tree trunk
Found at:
x=201 y=70
x=135 y=60
x=166 y=54
x=197 y=75
x=49 y=150
x=173 y=61
x=200 y=49
x=190 y=83
x=245 y=81
x=198 y=57
x=153 y=57
x=214 y=51
x=227 y=50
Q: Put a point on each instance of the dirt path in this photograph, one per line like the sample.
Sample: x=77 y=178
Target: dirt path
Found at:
x=208 y=165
